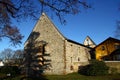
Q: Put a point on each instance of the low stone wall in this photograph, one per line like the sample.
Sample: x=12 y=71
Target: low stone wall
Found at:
x=114 y=66
x=76 y=65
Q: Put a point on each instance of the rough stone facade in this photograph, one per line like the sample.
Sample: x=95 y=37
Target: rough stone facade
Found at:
x=65 y=56
x=76 y=55
x=114 y=66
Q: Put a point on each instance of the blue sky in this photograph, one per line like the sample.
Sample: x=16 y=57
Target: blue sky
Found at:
x=98 y=22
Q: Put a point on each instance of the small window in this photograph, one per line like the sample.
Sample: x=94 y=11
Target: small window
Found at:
x=71 y=59
x=78 y=59
x=117 y=46
x=71 y=67
x=103 y=48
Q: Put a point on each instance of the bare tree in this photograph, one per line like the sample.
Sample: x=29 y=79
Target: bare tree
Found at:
x=28 y=8
x=22 y=9
x=7 y=55
x=18 y=57
x=6 y=29
x=12 y=57
x=12 y=33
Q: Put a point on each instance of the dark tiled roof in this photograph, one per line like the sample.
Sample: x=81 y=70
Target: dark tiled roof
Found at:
x=110 y=38
x=77 y=43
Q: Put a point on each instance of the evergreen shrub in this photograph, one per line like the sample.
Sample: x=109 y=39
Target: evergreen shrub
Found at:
x=95 y=68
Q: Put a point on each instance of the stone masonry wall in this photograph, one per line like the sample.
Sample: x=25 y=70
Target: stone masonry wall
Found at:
x=114 y=66
x=63 y=56
x=54 y=47
x=76 y=55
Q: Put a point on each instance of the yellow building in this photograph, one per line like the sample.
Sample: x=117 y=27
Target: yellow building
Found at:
x=109 y=49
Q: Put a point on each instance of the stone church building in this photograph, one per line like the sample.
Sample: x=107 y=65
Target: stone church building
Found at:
x=55 y=53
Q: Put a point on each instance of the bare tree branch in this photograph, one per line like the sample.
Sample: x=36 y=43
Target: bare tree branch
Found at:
x=32 y=8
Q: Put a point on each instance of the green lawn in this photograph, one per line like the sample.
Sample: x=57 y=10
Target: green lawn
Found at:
x=75 y=76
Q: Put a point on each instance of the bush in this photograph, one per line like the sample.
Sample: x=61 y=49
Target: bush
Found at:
x=95 y=68
x=12 y=70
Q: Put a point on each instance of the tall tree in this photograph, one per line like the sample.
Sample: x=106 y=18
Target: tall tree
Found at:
x=7 y=55
x=12 y=57
x=21 y=9
x=18 y=57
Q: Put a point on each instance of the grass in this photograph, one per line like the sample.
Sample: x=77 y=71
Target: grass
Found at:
x=2 y=75
x=76 y=76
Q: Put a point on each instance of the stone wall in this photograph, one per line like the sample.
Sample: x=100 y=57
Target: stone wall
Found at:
x=114 y=66
x=54 y=46
x=64 y=56
x=76 y=55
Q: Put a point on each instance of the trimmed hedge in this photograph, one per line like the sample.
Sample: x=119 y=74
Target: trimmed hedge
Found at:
x=95 y=68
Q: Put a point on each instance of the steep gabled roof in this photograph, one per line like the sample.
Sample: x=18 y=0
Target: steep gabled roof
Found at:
x=110 y=38
x=45 y=17
x=77 y=43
